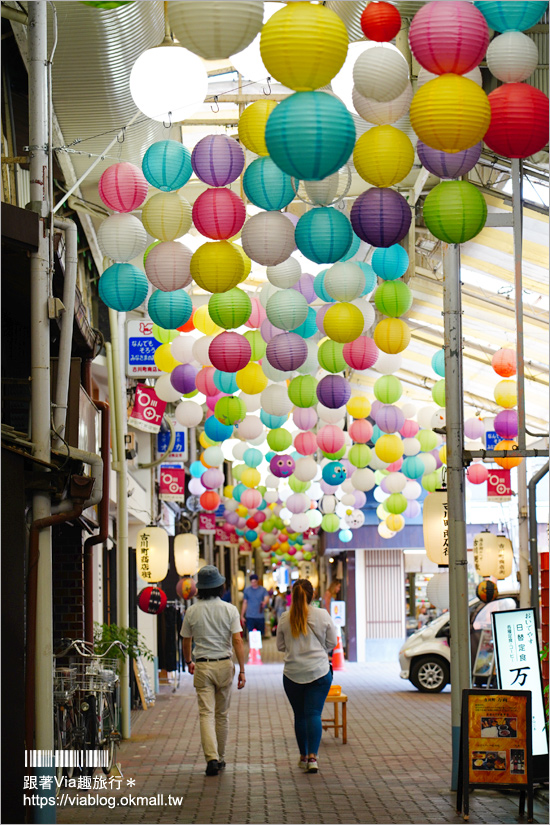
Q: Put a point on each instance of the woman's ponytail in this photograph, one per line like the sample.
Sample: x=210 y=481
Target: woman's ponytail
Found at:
x=302 y=594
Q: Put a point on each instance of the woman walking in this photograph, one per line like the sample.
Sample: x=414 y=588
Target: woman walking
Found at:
x=306 y=634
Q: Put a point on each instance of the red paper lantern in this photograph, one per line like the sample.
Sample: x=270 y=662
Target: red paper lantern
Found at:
x=477 y=473
x=230 y=352
x=219 y=214
x=210 y=500
x=123 y=187
x=380 y=21
x=305 y=443
x=504 y=362
x=152 y=600
x=361 y=431
x=361 y=353
x=519 y=120
x=189 y=325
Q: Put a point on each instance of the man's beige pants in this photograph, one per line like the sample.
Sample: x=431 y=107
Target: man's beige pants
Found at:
x=213 y=682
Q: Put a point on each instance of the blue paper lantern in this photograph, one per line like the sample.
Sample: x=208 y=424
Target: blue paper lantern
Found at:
x=370 y=277
x=319 y=287
x=323 y=235
x=345 y=536
x=267 y=186
x=167 y=165
x=355 y=244
x=271 y=454
x=438 y=363
x=262 y=505
x=413 y=466
x=272 y=422
x=123 y=287
x=239 y=532
x=252 y=457
x=238 y=490
x=509 y=15
x=310 y=135
x=170 y=310
x=309 y=326
x=251 y=535
x=376 y=433
x=197 y=468
x=217 y=431
x=225 y=382
x=390 y=263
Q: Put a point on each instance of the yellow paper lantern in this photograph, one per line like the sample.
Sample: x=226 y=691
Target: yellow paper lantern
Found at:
x=217 y=266
x=486 y=553
x=152 y=554
x=509 y=462
x=205 y=441
x=389 y=448
x=164 y=359
x=450 y=113
x=228 y=490
x=358 y=406
x=343 y=322
x=304 y=46
x=395 y=522
x=506 y=394
x=167 y=216
x=391 y=335
x=246 y=260
x=250 y=477
x=443 y=454
x=251 y=379
x=204 y=323
x=252 y=125
x=383 y=156
x=241 y=510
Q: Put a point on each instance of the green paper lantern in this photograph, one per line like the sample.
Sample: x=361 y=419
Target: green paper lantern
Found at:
x=298 y=486
x=432 y=481
x=388 y=389
x=396 y=504
x=359 y=455
x=230 y=410
x=427 y=440
x=302 y=391
x=257 y=344
x=335 y=456
x=330 y=523
x=237 y=470
x=438 y=392
x=331 y=357
x=230 y=309
x=279 y=439
x=393 y=298
x=165 y=336
x=455 y=211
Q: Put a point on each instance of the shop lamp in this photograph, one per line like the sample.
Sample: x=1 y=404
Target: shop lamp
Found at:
x=152 y=554
x=186 y=554
x=435 y=522
x=437 y=590
x=486 y=553
x=505 y=557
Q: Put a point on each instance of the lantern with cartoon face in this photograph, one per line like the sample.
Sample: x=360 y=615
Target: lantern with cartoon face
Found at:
x=354 y=519
x=282 y=466
x=334 y=473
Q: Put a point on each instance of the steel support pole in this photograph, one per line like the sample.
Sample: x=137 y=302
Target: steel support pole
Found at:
x=458 y=572
x=533 y=540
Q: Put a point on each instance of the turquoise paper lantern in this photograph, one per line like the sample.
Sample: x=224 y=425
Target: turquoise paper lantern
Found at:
x=310 y=135
x=319 y=287
x=323 y=235
x=511 y=15
x=412 y=467
x=170 y=310
x=370 y=277
x=390 y=263
x=217 y=431
x=167 y=165
x=309 y=326
x=438 y=363
x=267 y=186
x=252 y=457
x=272 y=422
x=376 y=434
x=354 y=248
x=225 y=382
x=238 y=490
x=123 y=287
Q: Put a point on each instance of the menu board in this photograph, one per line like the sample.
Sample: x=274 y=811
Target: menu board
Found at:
x=499 y=737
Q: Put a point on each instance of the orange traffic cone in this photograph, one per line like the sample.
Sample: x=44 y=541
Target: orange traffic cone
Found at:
x=338 y=656
x=254 y=657
x=255 y=644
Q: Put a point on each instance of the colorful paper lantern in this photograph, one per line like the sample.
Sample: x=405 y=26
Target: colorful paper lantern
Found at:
x=152 y=600
x=305 y=443
x=164 y=359
x=359 y=456
x=257 y=344
x=343 y=322
x=225 y=382
x=229 y=352
x=275 y=401
x=446 y=165
x=450 y=113
x=477 y=473
x=509 y=462
x=123 y=287
x=389 y=448
x=331 y=357
x=122 y=187
x=506 y=424
x=230 y=309
x=381 y=217
x=511 y=15
x=383 y=156
x=122 y=237
x=217 y=160
x=287 y=309
x=455 y=211
x=305 y=419
x=344 y=282
x=268 y=238
x=169 y=309
x=392 y=335
x=229 y=410
x=361 y=353
x=286 y=351
x=505 y=394
x=279 y=439
x=167 y=165
x=304 y=45
x=519 y=120
x=301 y=391
x=251 y=379
x=285 y=274
x=381 y=72
x=267 y=186
x=217 y=431
x=323 y=234
x=448 y=37
x=393 y=298
x=219 y=214
x=167 y=216
x=310 y=135
x=305 y=287
x=504 y=362
x=213 y=30
x=168 y=266
x=391 y=263
x=252 y=124
x=360 y=431
x=438 y=392
x=333 y=391
x=388 y=389
x=217 y=266
x=183 y=378
x=380 y=21
x=382 y=112
x=389 y=418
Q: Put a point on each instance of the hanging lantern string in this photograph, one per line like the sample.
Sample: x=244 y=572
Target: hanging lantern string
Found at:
x=116 y=130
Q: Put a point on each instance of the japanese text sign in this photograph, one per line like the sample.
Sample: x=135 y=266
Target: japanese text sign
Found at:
x=179 y=450
x=148 y=410
x=498 y=485
x=497 y=737
x=142 y=346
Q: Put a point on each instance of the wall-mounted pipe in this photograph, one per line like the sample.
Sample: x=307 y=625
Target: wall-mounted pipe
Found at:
x=67 y=322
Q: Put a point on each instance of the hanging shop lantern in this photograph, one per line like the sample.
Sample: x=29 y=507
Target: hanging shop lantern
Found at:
x=437 y=590
x=504 y=362
x=455 y=211
x=381 y=217
x=167 y=216
x=519 y=120
x=448 y=37
x=323 y=235
x=152 y=554
x=252 y=125
x=380 y=21
x=485 y=553
x=333 y=391
x=214 y=30
x=267 y=186
x=487 y=591
x=512 y=57
x=286 y=351
x=219 y=214
x=302 y=391
x=511 y=15
x=217 y=160
x=508 y=462
x=122 y=237
x=435 y=522
x=381 y=72
x=186 y=588
x=168 y=266
x=268 y=238
x=382 y=112
x=167 y=165
x=217 y=266
x=383 y=156
x=123 y=287
x=186 y=554
x=445 y=165
x=123 y=187
x=229 y=352
x=505 y=557
x=152 y=600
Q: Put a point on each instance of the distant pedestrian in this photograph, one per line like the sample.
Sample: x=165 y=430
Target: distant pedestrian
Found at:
x=306 y=634
x=213 y=625
x=255 y=598
x=331 y=593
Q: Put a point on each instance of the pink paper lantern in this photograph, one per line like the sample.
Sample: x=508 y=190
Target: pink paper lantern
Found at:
x=229 y=352
x=330 y=438
x=449 y=36
x=409 y=428
x=361 y=353
x=251 y=498
x=305 y=443
x=204 y=381
x=219 y=214
x=395 y=466
x=212 y=478
x=123 y=187
x=257 y=315
x=167 y=266
x=320 y=317
x=260 y=516
x=477 y=473
x=212 y=400
x=361 y=431
x=506 y=424
x=305 y=418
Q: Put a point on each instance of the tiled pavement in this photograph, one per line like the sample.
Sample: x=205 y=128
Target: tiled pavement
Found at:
x=395 y=767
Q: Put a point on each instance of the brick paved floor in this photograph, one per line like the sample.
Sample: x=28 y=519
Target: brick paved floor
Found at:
x=395 y=767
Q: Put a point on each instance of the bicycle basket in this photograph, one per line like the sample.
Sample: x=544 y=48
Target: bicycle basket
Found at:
x=64 y=683
x=97 y=674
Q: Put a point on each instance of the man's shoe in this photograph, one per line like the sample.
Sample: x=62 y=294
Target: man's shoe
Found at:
x=212 y=767
x=221 y=764
x=312 y=766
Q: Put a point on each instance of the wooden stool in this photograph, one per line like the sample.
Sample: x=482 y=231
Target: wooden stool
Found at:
x=334 y=723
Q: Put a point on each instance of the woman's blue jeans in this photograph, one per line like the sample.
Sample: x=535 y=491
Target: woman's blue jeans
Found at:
x=307 y=702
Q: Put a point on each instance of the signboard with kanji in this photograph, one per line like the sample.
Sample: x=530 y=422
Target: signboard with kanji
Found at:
x=491 y=440
x=172 y=484
x=179 y=450
x=498 y=485
x=148 y=410
x=140 y=362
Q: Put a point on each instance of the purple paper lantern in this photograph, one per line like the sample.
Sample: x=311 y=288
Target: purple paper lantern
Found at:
x=445 y=165
x=305 y=287
x=183 y=378
x=232 y=518
x=389 y=418
x=381 y=217
x=286 y=351
x=217 y=160
x=320 y=317
x=412 y=511
x=375 y=407
x=268 y=331
x=333 y=391
x=305 y=418
x=506 y=424
x=328 y=489
x=435 y=453
x=360 y=499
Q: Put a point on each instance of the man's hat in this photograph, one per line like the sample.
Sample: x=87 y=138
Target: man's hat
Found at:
x=209 y=577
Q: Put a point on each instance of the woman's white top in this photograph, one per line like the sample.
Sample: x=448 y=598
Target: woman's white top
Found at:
x=306 y=657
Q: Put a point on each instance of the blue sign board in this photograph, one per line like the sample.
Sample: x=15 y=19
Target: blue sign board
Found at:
x=163 y=439
x=491 y=440
x=142 y=346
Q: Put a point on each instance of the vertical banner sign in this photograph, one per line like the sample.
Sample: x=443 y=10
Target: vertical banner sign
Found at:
x=498 y=485
x=148 y=410
x=207 y=524
x=142 y=346
x=172 y=484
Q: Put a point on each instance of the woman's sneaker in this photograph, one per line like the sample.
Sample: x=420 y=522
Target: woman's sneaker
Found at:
x=302 y=763
x=312 y=766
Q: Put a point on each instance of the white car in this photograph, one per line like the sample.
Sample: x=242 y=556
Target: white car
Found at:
x=425 y=657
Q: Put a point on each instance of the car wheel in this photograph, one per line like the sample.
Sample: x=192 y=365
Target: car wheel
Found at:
x=430 y=674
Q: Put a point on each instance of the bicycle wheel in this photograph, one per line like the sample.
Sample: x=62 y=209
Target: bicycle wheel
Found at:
x=108 y=736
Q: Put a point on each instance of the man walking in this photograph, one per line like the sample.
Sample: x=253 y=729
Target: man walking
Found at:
x=255 y=599
x=214 y=626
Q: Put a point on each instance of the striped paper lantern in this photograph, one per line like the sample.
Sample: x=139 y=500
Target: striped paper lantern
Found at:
x=382 y=112
x=267 y=186
x=268 y=238
x=217 y=160
x=168 y=266
x=123 y=287
x=122 y=237
x=167 y=216
x=170 y=309
x=324 y=234
x=167 y=165
x=381 y=217
x=519 y=120
x=215 y=30
x=219 y=214
x=448 y=37
x=123 y=187
x=446 y=165
x=252 y=124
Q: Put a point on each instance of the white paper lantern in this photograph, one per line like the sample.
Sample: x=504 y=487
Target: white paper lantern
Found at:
x=298 y=503
x=240 y=449
x=285 y=274
x=412 y=490
x=328 y=504
x=367 y=310
x=380 y=495
x=382 y=113
x=215 y=30
x=384 y=531
x=408 y=410
x=201 y=350
x=299 y=523
x=213 y=456
x=438 y=419
x=424 y=76
x=381 y=73
x=231 y=505
x=275 y=400
x=268 y=238
x=486 y=553
x=344 y=281
x=363 y=479
x=275 y=375
x=165 y=390
x=306 y=469
x=152 y=554
x=311 y=364
x=323 y=192
x=429 y=462
x=122 y=237
x=251 y=402
x=512 y=57
x=196 y=487
x=186 y=554
x=272 y=481
x=315 y=518
x=348 y=500
x=437 y=590
x=182 y=349
x=330 y=416
x=266 y=292
x=271 y=496
x=435 y=522
x=189 y=414
x=250 y=428
x=168 y=266
x=395 y=482
x=411 y=446
x=347 y=487
x=156 y=86
x=424 y=417
x=376 y=463
x=387 y=364
x=248 y=62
